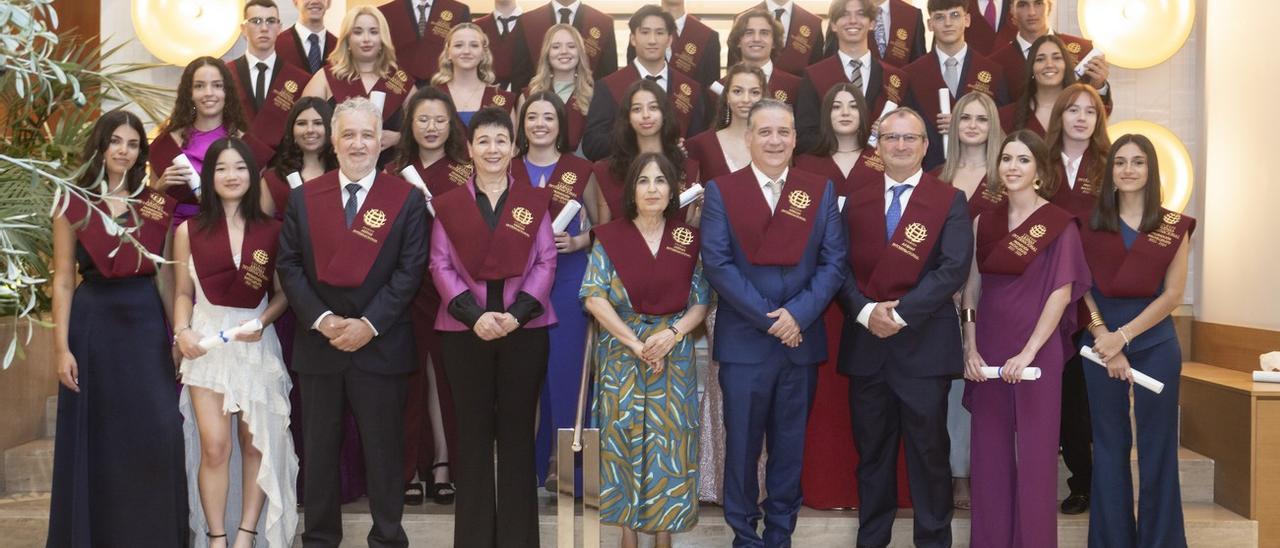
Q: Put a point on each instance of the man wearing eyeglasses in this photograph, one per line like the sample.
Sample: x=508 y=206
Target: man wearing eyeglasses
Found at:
x=267 y=85
x=307 y=44
x=910 y=243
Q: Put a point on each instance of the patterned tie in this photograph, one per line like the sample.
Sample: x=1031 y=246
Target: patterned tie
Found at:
x=952 y=75
x=882 y=35
x=855 y=74
x=990 y=13
x=315 y=54
x=775 y=190
x=894 y=214
x=564 y=16
x=350 y=210
x=422 y=18
x=260 y=85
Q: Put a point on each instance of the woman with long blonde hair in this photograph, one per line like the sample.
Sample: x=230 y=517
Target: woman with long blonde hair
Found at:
x=564 y=69
x=972 y=157
x=466 y=73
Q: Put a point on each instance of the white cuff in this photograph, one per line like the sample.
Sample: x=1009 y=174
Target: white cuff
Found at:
x=898 y=319
x=864 y=316
x=316 y=326
x=370 y=324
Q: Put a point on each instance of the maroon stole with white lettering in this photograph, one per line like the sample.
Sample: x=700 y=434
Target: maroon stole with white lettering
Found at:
x=612 y=189
x=686 y=54
x=984 y=199
x=1004 y=251
x=420 y=55
x=223 y=281
x=397 y=88
x=113 y=257
x=656 y=285
x=887 y=270
x=566 y=182
x=1139 y=270
x=343 y=256
x=501 y=252
x=442 y=175
x=1080 y=199
x=772 y=238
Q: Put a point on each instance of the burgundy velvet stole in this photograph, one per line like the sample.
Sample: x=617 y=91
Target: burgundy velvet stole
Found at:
x=783 y=86
x=772 y=238
x=705 y=148
x=267 y=123
x=656 y=285
x=1081 y=199
x=163 y=150
x=612 y=189
x=984 y=199
x=223 y=281
x=898 y=50
x=885 y=271
x=567 y=181
x=593 y=25
x=501 y=252
x=443 y=175
x=868 y=170
x=113 y=257
x=1004 y=251
x=1139 y=270
x=279 y=190
x=343 y=256
x=397 y=88
x=420 y=55
x=686 y=49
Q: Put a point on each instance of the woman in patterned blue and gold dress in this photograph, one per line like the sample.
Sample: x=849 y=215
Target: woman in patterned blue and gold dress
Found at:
x=644 y=286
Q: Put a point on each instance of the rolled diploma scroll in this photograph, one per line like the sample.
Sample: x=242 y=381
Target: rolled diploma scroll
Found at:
x=840 y=203
x=874 y=139
x=194 y=180
x=566 y=216
x=690 y=194
x=1141 y=379
x=1028 y=374
x=1085 y=62
x=225 y=336
x=1266 y=376
x=944 y=103
x=378 y=98
x=410 y=174
x=295 y=179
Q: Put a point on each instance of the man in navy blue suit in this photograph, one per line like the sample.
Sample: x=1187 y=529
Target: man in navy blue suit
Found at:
x=910 y=243
x=774 y=250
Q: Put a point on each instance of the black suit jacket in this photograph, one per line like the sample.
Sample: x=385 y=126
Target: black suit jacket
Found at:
x=930 y=344
x=384 y=298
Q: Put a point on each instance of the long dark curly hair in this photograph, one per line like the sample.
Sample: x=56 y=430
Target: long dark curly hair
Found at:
x=288 y=158
x=625 y=144
x=183 y=117
x=95 y=150
x=455 y=146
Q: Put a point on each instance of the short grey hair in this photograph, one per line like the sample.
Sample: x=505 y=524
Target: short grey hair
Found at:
x=360 y=105
x=767 y=104
x=904 y=111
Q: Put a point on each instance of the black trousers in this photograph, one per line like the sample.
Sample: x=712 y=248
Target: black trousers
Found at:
x=377 y=401
x=495 y=394
x=1076 y=434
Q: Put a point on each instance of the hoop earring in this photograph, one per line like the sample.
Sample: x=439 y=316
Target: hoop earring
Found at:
x=1036 y=184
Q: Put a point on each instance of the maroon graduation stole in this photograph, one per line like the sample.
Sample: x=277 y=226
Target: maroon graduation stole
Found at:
x=984 y=199
x=566 y=182
x=397 y=88
x=681 y=90
x=279 y=190
x=982 y=37
x=1081 y=199
x=705 y=147
x=656 y=285
x=162 y=152
x=499 y=46
x=494 y=97
x=897 y=51
x=976 y=74
x=612 y=189
x=267 y=123
x=292 y=51
x=885 y=271
x=1004 y=251
x=223 y=281
x=420 y=56
x=111 y=256
x=869 y=169
x=343 y=256
x=501 y=252
x=772 y=238
x=593 y=25
x=686 y=49
x=443 y=175
x=784 y=86
x=800 y=39
x=1139 y=270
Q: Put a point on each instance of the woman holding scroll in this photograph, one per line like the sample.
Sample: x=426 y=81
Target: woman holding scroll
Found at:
x=493 y=259
x=226 y=285
x=1137 y=251
x=1028 y=268
x=544 y=160
x=645 y=286
x=119 y=434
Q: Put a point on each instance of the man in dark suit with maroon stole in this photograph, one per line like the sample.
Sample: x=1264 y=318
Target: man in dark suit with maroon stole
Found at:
x=802 y=41
x=595 y=26
x=954 y=66
x=307 y=44
x=1031 y=18
x=652 y=31
x=910 y=243
x=992 y=26
x=267 y=85
x=897 y=35
x=774 y=249
x=353 y=251
x=852 y=63
x=509 y=46
x=695 y=48
x=418 y=31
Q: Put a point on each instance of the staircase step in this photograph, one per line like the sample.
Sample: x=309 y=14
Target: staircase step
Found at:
x=50 y=416
x=1195 y=472
x=28 y=468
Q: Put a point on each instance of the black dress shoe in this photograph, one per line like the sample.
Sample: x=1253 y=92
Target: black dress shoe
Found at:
x=1075 y=504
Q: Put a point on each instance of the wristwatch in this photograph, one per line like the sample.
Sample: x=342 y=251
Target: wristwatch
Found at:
x=679 y=335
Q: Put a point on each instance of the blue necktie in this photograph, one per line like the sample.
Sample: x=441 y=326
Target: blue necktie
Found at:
x=894 y=214
x=351 y=208
x=313 y=55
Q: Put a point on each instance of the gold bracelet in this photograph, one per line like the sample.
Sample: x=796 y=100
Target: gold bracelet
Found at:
x=969 y=315
x=1097 y=322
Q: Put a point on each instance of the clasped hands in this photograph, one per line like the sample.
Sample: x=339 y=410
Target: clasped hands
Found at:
x=495 y=325
x=654 y=349
x=785 y=328
x=346 y=334
x=881 y=322
x=1110 y=347
x=1010 y=372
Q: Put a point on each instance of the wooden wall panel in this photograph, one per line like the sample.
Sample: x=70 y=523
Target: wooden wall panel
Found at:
x=83 y=15
x=1231 y=346
x=1267 y=472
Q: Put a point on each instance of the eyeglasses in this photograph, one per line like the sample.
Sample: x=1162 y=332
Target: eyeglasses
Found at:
x=908 y=138
x=258 y=21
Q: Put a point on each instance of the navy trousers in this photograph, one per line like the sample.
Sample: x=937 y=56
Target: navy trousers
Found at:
x=765 y=402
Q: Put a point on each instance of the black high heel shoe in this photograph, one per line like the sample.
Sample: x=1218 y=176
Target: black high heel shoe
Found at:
x=414 y=493
x=442 y=492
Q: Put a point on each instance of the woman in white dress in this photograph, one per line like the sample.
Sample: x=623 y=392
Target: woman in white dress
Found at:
x=229 y=251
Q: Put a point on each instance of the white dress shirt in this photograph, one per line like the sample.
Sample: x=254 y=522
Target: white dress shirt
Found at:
x=416 y=7
x=864 y=316
x=762 y=180
x=252 y=61
x=959 y=57
x=1072 y=167
x=514 y=22
x=664 y=74
x=573 y=10
x=303 y=34
x=865 y=69
x=365 y=183
x=788 y=8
